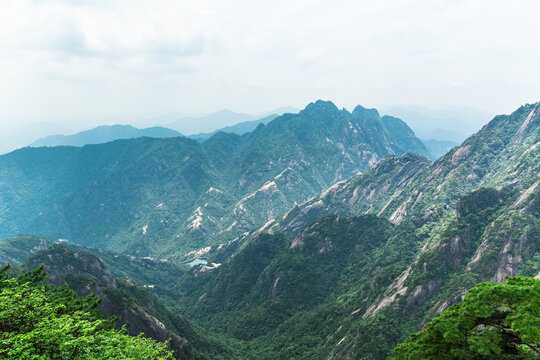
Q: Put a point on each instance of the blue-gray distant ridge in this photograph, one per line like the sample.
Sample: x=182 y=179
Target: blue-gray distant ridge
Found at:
x=103 y=134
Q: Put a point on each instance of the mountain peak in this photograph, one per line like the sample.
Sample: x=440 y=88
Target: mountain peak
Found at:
x=321 y=105
x=364 y=112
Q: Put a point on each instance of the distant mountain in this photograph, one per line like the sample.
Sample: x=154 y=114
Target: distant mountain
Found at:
x=448 y=124
x=280 y=111
x=103 y=134
x=16 y=136
x=438 y=148
x=166 y=197
x=209 y=123
x=239 y=129
x=204 y=126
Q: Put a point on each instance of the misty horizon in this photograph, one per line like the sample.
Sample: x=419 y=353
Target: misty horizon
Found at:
x=70 y=61
x=449 y=123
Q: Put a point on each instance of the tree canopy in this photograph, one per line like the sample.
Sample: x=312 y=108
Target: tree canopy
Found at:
x=495 y=320
x=41 y=322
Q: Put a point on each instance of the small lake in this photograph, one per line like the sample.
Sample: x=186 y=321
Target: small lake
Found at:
x=197 y=261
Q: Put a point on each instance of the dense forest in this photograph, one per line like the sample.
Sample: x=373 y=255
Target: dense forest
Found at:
x=42 y=322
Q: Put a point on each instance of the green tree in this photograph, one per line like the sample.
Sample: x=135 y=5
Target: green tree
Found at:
x=494 y=321
x=40 y=322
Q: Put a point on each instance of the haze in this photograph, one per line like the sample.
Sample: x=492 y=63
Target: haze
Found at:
x=69 y=65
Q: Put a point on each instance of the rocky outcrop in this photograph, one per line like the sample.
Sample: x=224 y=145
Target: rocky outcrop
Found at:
x=478 y=200
x=59 y=259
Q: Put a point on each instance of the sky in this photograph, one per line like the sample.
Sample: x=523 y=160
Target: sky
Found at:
x=76 y=63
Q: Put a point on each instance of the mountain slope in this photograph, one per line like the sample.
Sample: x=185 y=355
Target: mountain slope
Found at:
x=343 y=287
x=17 y=249
x=165 y=197
x=504 y=153
x=43 y=322
x=103 y=134
x=414 y=238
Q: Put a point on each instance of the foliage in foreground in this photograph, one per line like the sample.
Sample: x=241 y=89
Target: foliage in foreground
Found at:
x=495 y=321
x=39 y=322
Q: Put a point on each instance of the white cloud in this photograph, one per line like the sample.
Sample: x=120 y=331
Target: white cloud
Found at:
x=62 y=60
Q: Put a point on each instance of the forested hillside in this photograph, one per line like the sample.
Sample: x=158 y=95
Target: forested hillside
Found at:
x=341 y=286
x=165 y=197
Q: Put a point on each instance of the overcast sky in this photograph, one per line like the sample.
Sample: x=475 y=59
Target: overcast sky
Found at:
x=73 y=60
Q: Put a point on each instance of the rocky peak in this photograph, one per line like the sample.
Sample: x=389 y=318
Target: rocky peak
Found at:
x=361 y=111
x=59 y=259
x=326 y=107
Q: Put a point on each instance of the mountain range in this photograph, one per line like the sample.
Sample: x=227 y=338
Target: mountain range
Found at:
x=149 y=196
x=17 y=134
x=446 y=124
x=325 y=234
x=390 y=249
x=200 y=125
x=240 y=128
x=103 y=134
x=108 y=133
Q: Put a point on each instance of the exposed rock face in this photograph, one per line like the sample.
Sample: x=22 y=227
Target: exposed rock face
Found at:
x=460 y=154
x=534 y=115
x=421 y=293
x=139 y=321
